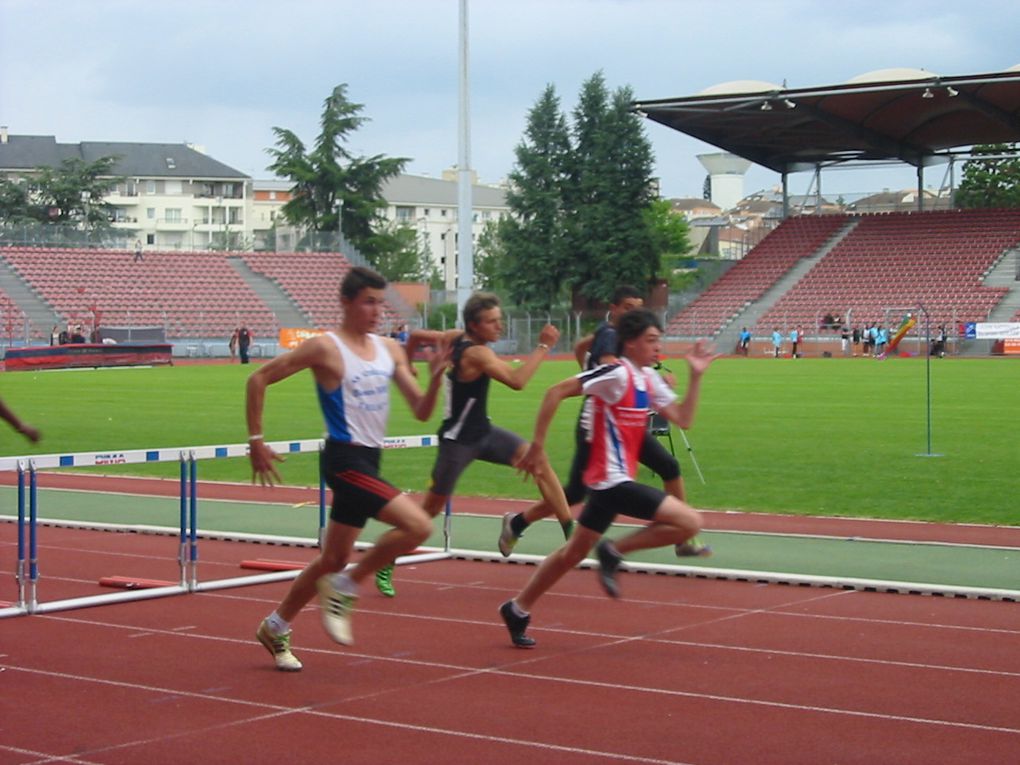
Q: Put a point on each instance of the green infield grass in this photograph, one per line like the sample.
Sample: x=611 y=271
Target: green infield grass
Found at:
x=843 y=437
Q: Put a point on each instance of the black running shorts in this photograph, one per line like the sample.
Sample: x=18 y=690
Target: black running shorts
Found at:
x=352 y=473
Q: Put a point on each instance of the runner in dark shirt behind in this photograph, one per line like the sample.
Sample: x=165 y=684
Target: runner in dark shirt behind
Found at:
x=467 y=433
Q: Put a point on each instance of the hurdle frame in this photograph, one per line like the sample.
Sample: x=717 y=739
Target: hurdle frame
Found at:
x=26 y=567
x=27 y=572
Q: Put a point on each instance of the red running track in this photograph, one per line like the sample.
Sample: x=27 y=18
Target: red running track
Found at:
x=681 y=671
x=1004 y=536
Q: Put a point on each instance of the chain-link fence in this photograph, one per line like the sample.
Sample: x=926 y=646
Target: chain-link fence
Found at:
x=57 y=235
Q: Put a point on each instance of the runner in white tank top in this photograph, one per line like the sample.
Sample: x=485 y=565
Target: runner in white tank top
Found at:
x=356 y=412
x=352 y=370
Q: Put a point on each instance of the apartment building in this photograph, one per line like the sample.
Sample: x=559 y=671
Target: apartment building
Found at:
x=175 y=197
x=171 y=196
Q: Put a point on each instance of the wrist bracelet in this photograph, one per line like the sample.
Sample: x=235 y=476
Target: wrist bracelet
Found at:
x=543 y=346
x=256 y=437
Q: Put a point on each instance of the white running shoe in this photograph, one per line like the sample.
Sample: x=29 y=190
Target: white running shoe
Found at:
x=336 y=611
x=279 y=647
x=507 y=539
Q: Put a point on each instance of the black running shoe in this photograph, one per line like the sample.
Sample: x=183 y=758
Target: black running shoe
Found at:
x=609 y=562
x=517 y=625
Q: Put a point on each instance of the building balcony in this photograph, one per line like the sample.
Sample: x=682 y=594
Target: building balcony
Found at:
x=177 y=224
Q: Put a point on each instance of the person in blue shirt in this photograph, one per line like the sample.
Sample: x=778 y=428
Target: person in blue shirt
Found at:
x=777 y=342
x=794 y=337
x=745 y=340
x=881 y=338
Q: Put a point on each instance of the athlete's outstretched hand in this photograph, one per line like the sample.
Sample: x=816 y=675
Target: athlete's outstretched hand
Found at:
x=262 y=468
x=531 y=462
x=438 y=357
x=700 y=356
x=549 y=336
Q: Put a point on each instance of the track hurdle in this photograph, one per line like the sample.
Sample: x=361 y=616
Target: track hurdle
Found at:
x=27 y=571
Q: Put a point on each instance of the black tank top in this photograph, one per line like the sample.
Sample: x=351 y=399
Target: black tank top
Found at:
x=466 y=419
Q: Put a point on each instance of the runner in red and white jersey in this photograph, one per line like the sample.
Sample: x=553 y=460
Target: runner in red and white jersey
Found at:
x=623 y=395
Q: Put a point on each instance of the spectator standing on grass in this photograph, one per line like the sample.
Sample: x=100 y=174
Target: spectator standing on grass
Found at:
x=939 y=345
x=745 y=340
x=844 y=340
x=244 y=338
x=466 y=433
x=794 y=339
x=777 y=342
x=856 y=339
x=623 y=396
x=233 y=345
x=881 y=338
x=352 y=368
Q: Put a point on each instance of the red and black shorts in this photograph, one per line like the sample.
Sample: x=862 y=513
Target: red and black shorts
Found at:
x=352 y=473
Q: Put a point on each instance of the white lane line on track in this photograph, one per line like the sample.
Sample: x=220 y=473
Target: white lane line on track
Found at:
x=446 y=585
x=555 y=626
x=276 y=710
x=43 y=757
x=464 y=671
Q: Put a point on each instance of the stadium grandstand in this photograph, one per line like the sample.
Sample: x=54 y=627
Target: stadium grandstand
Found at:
x=188 y=296
x=956 y=266
x=859 y=268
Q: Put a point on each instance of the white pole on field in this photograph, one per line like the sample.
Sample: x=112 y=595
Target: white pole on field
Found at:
x=465 y=254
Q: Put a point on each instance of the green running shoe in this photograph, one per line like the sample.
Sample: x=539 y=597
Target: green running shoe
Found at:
x=384 y=581
x=693 y=548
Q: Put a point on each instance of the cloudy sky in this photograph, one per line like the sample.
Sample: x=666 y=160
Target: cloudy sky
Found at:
x=223 y=73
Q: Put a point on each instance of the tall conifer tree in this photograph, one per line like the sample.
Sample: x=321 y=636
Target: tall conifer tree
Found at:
x=536 y=262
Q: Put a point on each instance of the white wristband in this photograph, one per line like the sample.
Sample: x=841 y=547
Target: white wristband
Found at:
x=543 y=346
x=256 y=437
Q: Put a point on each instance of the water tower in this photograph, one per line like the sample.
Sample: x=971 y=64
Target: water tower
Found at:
x=726 y=176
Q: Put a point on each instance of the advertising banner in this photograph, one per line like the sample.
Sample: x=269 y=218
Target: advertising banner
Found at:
x=292 y=337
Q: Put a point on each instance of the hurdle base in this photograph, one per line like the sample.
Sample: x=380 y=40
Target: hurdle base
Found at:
x=133 y=583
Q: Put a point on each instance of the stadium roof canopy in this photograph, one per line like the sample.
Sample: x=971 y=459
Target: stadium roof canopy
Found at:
x=906 y=115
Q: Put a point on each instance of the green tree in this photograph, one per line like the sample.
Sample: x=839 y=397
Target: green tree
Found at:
x=533 y=258
x=670 y=236
x=399 y=255
x=613 y=188
x=14 y=201
x=491 y=258
x=331 y=185
x=993 y=181
x=72 y=193
x=579 y=203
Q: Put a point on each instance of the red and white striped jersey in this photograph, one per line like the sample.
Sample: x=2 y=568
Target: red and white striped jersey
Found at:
x=622 y=396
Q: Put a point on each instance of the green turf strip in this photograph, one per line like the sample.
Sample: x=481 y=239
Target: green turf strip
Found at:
x=835 y=437
x=962 y=566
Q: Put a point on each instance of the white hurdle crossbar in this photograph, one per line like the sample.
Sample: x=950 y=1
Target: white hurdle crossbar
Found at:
x=27 y=570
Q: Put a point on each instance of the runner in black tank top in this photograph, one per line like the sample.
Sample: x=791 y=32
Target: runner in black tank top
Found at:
x=467 y=434
x=466 y=419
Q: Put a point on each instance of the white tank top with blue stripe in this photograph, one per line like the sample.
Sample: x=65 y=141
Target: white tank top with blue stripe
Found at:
x=357 y=411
